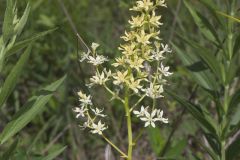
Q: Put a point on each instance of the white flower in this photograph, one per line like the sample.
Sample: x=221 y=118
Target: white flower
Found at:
x=164 y=70
x=98 y=128
x=98 y=112
x=86 y=100
x=154 y=91
x=94 y=46
x=98 y=79
x=84 y=56
x=81 y=111
x=149 y=118
x=137 y=21
x=161 y=3
x=141 y=112
x=160 y=116
x=143 y=5
x=85 y=124
x=134 y=84
x=99 y=59
x=120 y=77
x=166 y=48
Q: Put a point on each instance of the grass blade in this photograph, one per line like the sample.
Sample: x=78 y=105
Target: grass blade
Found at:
x=12 y=78
x=29 y=111
x=22 y=44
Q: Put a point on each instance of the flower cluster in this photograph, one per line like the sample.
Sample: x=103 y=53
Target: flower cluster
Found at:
x=141 y=65
x=140 y=70
x=90 y=114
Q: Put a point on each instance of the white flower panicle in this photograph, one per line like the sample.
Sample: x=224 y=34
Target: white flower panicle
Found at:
x=140 y=69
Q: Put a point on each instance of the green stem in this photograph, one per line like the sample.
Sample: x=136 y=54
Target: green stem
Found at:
x=223 y=154
x=115 y=147
x=129 y=124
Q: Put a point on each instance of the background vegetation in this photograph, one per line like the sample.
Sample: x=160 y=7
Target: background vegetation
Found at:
x=205 y=61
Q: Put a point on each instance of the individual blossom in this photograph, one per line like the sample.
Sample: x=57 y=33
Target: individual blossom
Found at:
x=134 y=84
x=154 y=91
x=143 y=5
x=84 y=56
x=160 y=116
x=142 y=112
x=161 y=3
x=155 y=20
x=137 y=21
x=84 y=99
x=94 y=46
x=136 y=62
x=99 y=78
x=120 y=61
x=120 y=77
x=164 y=70
x=98 y=128
x=143 y=37
x=166 y=48
x=128 y=36
x=97 y=60
x=80 y=111
x=149 y=118
x=128 y=49
x=98 y=112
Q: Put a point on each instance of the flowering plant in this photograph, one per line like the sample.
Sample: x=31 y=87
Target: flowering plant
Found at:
x=139 y=71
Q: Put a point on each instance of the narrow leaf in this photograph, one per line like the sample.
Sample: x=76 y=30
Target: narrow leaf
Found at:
x=54 y=154
x=233 y=150
x=203 y=78
x=29 y=111
x=228 y=16
x=12 y=78
x=196 y=112
x=203 y=24
x=206 y=56
x=8 y=21
x=22 y=44
x=20 y=25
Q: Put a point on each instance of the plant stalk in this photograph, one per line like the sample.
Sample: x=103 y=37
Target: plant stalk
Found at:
x=129 y=124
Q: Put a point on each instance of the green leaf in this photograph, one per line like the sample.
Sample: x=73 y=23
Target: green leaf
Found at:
x=20 y=25
x=9 y=152
x=234 y=101
x=8 y=21
x=206 y=56
x=34 y=106
x=213 y=142
x=176 y=150
x=228 y=16
x=203 y=78
x=156 y=139
x=207 y=149
x=211 y=6
x=12 y=78
x=54 y=154
x=22 y=44
x=236 y=45
x=209 y=3
x=196 y=112
x=205 y=27
x=233 y=150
